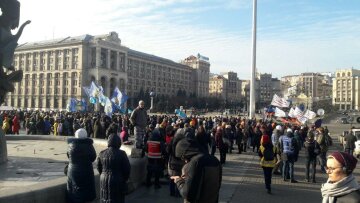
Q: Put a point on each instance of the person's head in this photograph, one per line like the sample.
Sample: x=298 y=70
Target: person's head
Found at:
x=114 y=141
x=320 y=130
x=186 y=149
x=141 y=104
x=81 y=133
x=339 y=165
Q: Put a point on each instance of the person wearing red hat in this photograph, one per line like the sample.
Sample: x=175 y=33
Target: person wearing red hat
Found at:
x=267 y=153
x=341 y=185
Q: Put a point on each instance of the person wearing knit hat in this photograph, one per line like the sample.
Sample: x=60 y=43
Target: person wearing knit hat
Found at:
x=80 y=172
x=267 y=153
x=341 y=185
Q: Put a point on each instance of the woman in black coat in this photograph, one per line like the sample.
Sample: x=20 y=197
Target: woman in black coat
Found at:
x=81 y=181
x=114 y=168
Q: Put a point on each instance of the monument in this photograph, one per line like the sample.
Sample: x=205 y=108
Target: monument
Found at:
x=9 y=20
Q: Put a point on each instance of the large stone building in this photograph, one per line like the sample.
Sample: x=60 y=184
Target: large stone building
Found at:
x=56 y=70
x=265 y=88
x=312 y=85
x=346 y=89
x=201 y=71
x=226 y=86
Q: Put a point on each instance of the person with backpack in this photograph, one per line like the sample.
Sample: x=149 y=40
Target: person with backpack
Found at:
x=324 y=142
x=289 y=152
x=312 y=149
x=267 y=153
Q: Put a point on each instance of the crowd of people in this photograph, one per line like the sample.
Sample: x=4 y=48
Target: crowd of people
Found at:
x=183 y=149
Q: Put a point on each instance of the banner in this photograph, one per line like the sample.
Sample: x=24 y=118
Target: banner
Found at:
x=279 y=102
x=279 y=112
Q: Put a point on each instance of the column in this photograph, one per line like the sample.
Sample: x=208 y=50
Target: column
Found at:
x=108 y=57
x=98 y=57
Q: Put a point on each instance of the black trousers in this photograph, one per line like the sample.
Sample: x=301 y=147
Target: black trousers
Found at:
x=310 y=161
x=267 y=177
x=222 y=155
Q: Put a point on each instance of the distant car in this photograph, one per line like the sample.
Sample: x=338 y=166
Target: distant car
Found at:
x=343 y=120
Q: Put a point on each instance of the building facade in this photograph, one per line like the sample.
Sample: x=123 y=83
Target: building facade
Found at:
x=56 y=70
x=346 y=88
x=201 y=71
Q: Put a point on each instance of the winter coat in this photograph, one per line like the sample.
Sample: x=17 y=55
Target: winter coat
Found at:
x=114 y=168
x=98 y=131
x=16 y=124
x=352 y=197
x=81 y=181
x=201 y=177
x=312 y=148
x=155 y=164
x=350 y=141
x=175 y=163
x=139 y=117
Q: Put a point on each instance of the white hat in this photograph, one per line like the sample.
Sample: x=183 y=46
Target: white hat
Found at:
x=278 y=127
x=289 y=130
x=81 y=133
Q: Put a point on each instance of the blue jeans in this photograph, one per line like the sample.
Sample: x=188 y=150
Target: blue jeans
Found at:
x=288 y=169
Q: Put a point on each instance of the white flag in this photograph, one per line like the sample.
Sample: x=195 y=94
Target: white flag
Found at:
x=309 y=114
x=279 y=102
x=298 y=112
x=279 y=112
x=302 y=119
x=291 y=113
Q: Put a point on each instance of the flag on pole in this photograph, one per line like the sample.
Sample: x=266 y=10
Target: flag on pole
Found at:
x=108 y=107
x=279 y=102
x=279 y=112
x=116 y=97
x=310 y=114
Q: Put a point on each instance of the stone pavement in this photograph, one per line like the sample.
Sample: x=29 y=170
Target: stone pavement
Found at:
x=243 y=181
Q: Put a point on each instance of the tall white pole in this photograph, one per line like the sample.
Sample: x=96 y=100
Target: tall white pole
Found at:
x=253 y=68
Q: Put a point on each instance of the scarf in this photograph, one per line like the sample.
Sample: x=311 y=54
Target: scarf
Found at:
x=345 y=186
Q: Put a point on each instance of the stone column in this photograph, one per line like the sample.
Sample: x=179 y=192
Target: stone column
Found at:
x=108 y=58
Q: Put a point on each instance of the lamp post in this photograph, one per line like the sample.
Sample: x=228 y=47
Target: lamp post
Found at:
x=152 y=95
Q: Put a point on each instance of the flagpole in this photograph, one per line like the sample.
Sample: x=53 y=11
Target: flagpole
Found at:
x=253 y=68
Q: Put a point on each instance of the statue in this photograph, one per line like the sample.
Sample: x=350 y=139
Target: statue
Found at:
x=9 y=20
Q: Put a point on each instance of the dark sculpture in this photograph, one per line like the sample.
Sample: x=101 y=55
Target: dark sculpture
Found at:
x=9 y=20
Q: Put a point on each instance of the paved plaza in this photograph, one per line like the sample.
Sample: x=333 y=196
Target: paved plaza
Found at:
x=34 y=161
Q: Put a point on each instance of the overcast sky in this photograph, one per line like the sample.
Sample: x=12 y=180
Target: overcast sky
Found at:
x=294 y=36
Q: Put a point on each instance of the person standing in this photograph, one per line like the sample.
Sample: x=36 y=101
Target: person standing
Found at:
x=341 y=186
x=114 y=169
x=267 y=153
x=16 y=124
x=80 y=173
x=288 y=152
x=350 y=143
x=155 y=149
x=201 y=176
x=138 y=119
x=323 y=146
x=312 y=149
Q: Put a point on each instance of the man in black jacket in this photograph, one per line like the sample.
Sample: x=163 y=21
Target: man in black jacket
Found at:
x=350 y=143
x=201 y=175
x=312 y=149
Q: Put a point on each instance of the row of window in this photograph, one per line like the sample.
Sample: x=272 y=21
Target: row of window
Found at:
x=58 y=53
x=49 y=90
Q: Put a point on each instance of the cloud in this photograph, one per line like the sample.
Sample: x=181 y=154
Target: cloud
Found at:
x=313 y=39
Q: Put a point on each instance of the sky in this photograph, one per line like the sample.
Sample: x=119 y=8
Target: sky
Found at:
x=293 y=36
